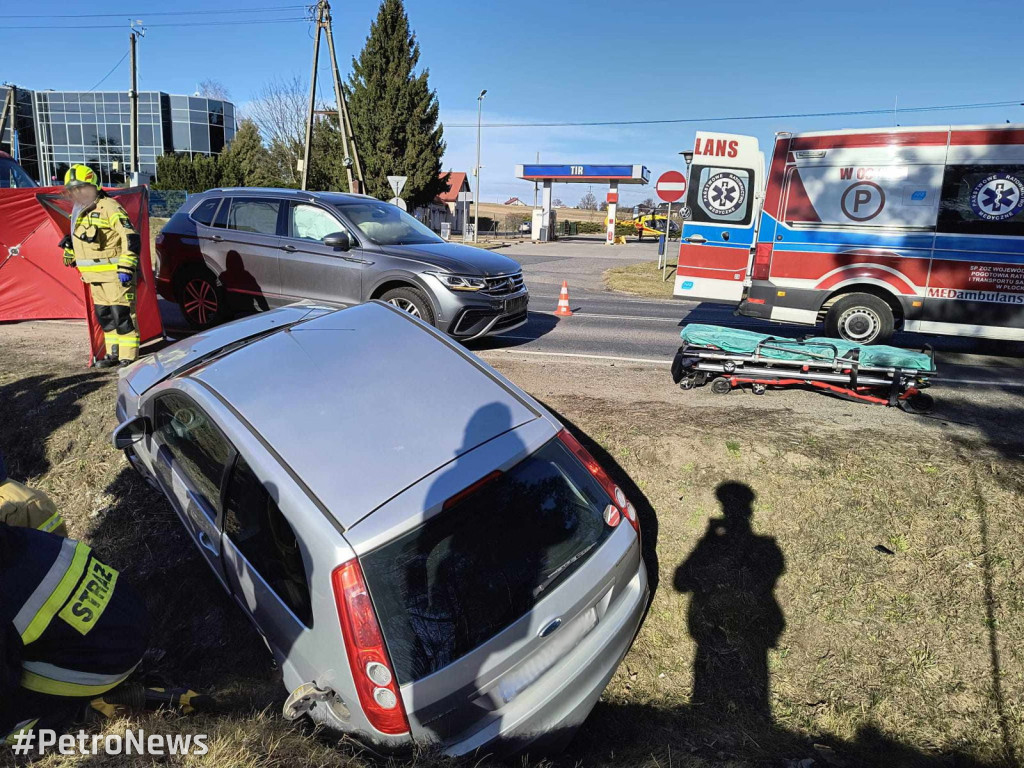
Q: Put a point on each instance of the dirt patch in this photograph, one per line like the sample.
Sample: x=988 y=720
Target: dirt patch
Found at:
x=860 y=605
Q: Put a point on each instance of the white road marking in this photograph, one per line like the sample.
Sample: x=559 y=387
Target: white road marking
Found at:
x=980 y=383
x=645 y=360
x=584 y=314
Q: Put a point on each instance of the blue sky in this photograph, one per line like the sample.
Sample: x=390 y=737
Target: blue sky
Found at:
x=578 y=60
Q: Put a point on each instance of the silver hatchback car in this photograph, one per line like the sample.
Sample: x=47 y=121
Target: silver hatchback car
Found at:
x=429 y=554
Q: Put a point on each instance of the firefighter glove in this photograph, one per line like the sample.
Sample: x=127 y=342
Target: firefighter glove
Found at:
x=124 y=275
x=69 y=258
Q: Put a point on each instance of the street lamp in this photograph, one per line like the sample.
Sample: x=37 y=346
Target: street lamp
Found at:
x=476 y=202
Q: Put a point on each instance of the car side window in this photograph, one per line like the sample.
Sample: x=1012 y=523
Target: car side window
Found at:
x=206 y=210
x=196 y=444
x=308 y=222
x=221 y=221
x=255 y=524
x=254 y=215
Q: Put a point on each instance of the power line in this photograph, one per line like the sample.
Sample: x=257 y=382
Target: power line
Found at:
x=164 y=24
x=111 y=71
x=676 y=121
x=222 y=11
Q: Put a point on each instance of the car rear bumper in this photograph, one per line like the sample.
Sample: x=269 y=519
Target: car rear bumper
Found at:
x=549 y=714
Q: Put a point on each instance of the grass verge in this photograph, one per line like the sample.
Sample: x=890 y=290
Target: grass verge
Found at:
x=643 y=279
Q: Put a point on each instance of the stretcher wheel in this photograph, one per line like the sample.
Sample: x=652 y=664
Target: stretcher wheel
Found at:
x=721 y=386
x=687 y=383
x=918 y=403
x=729 y=366
x=759 y=389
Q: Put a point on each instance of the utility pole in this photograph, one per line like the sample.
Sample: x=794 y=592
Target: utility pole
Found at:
x=476 y=201
x=351 y=160
x=133 y=101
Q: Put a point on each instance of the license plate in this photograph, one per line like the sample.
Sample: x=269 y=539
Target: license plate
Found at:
x=512 y=306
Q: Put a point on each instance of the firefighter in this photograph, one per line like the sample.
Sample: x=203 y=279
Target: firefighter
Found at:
x=105 y=247
x=70 y=631
x=27 y=507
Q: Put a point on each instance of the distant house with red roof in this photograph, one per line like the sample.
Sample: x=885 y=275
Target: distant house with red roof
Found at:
x=447 y=207
x=514 y=201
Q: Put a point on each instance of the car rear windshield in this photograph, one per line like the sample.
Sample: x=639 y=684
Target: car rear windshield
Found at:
x=13 y=176
x=461 y=578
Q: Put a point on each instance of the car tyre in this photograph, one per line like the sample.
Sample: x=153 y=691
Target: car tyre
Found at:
x=412 y=301
x=861 y=318
x=200 y=299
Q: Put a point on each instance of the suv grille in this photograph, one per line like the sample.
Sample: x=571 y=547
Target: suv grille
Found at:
x=504 y=285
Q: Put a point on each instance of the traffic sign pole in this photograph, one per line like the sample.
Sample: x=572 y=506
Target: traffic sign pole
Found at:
x=671 y=186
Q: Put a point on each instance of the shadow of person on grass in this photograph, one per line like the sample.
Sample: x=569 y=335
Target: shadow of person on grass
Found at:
x=32 y=409
x=734 y=617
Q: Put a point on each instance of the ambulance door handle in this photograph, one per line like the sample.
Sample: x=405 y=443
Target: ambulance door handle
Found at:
x=696 y=239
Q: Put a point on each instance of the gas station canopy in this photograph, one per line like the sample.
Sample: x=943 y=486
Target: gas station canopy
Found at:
x=589 y=174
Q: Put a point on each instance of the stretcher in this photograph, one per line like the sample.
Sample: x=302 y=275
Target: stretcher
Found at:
x=728 y=359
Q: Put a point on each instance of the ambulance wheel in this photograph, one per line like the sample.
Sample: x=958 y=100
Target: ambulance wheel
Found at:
x=861 y=318
x=721 y=386
x=918 y=403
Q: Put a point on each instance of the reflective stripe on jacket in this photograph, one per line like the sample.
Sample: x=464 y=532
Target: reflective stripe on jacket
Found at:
x=104 y=240
x=81 y=632
x=29 y=508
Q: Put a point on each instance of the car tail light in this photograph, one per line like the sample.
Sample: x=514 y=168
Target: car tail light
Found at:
x=372 y=672
x=762 y=261
x=622 y=506
x=451 y=502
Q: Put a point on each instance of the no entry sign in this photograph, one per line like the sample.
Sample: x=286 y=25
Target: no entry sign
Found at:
x=671 y=186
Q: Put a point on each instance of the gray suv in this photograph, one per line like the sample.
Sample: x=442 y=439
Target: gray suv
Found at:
x=231 y=251
x=441 y=564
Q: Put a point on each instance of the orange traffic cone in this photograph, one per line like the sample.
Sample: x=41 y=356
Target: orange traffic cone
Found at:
x=563 y=301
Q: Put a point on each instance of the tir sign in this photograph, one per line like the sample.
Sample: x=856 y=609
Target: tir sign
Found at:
x=576 y=170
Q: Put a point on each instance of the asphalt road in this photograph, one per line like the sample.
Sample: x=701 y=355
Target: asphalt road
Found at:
x=622 y=327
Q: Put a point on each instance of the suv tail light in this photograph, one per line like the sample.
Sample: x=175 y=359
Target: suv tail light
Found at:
x=372 y=672
x=621 y=503
x=762 y=261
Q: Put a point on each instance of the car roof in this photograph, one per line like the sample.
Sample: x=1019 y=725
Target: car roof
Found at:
x=363 y=402
x=333 y=198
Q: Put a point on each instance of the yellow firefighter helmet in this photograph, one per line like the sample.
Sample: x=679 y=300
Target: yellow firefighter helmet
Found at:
x=81 y=175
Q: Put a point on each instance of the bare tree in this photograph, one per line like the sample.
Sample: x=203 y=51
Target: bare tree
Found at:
x=588 y=202
x=279 y=109
x=557 y=203
x=214 y=89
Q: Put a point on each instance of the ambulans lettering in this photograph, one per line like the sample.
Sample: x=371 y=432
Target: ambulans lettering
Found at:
x=91 y=597
x=716 y=147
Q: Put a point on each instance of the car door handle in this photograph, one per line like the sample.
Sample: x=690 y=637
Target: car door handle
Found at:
x=216 y=238
x=288 y=248
x=696 y=239
x=206 y=543
x=355 y=260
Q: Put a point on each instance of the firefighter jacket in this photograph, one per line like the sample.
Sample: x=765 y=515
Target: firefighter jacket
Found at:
x=28 y=508
x=104 y=242
x=78 y=630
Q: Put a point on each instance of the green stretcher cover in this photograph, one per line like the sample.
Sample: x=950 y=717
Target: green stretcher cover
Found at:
x=817 y=348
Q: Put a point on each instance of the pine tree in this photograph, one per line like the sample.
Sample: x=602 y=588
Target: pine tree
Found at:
x=394 y=113
x=246 y=162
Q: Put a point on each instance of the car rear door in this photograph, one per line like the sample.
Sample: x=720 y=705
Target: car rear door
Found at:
x=311 y=270
x=190 y=456
x=724 y=195
x=246 y=248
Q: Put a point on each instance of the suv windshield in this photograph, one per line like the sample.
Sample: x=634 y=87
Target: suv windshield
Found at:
x=386 y=224
x=13 y=175
x=468 y=573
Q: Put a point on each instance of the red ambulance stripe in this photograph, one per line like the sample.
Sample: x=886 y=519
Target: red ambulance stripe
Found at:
x=911 y=138
x=813 y=265
x=960 y=138
x=855 y=272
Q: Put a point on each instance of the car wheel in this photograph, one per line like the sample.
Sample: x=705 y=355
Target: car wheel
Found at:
x=200 y=299
x=860 y=318
x=412 y=301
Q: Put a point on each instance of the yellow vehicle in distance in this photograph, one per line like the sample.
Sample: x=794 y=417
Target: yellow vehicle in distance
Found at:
x=653 y=224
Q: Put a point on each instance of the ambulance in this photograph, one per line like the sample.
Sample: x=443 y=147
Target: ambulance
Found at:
x=865 y=231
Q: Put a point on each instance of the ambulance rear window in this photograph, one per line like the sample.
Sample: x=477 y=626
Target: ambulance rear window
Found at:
x=983 y=200
x=719 y=195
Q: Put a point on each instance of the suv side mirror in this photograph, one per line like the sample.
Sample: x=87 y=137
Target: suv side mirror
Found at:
x=339 y=241
x=130 y=432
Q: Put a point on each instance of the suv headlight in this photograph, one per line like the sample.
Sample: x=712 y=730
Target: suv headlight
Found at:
x=460 y=282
